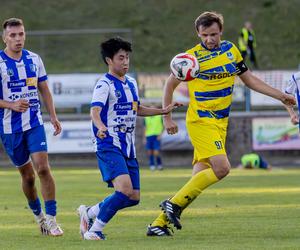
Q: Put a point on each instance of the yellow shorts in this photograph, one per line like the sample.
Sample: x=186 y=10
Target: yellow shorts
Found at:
x=208 y=140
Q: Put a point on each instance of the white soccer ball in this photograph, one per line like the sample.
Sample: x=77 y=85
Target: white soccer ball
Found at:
x=184 y=67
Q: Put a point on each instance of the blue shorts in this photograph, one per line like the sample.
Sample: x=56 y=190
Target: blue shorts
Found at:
x=112 y=163
x=20 y=145
x=152 y=143
x=262 y=163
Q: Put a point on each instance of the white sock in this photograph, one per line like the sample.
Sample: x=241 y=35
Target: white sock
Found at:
x=98 y=225
x=93 y=211
x=50 y=217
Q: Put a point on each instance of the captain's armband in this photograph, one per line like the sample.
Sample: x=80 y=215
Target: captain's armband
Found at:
x=241 y=67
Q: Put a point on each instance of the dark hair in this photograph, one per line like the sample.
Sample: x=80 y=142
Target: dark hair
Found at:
x=206 y=19
x=112 y=46
x=12 y=22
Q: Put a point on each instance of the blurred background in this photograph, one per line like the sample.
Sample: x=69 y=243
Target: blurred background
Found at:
x=67 y=35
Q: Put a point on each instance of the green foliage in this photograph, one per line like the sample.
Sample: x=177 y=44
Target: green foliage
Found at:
x=249 y=209
x=161 y=29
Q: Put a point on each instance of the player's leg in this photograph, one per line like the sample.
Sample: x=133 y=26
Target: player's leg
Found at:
x=16 y=148
x=157 y=153
x=150 y=152
x=115 y=170
x=36 y=142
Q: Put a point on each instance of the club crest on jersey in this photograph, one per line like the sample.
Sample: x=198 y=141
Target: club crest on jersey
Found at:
x=118 y=93
x=32 y=68
x=10 y=72
x=229 y=55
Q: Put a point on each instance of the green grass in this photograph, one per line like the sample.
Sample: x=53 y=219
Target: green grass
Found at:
x=247 y=210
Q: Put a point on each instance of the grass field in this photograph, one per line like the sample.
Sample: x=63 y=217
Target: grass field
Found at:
x=247 y=210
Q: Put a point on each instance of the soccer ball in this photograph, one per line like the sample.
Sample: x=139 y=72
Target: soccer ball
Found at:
x=184 y=67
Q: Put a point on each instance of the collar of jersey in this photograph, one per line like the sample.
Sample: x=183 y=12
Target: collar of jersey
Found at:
x=9 y=58
x=212 y=50
x=113 y=78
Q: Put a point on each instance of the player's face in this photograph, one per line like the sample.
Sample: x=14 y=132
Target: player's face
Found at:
x=210 y=36
x=119 y=65
x=14 y=38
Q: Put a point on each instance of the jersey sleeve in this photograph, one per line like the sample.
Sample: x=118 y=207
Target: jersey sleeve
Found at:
x=100 y=94
x=42 y=76
x=241 y=67
x=291 y=85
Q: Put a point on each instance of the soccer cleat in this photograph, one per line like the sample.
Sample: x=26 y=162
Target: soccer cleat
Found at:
x=152 y=168
x=160 y=167
x=41 y=221
x=173 y=212
x=54 y=229
x=94 y=235
x=158 y=231
x=85 y=222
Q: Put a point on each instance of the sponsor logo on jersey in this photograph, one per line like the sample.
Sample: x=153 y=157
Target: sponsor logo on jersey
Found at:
x=32 y=81
x=14 y=97
x=125 y=106
x=16 y=84
x=220 y=76
x=33 y=68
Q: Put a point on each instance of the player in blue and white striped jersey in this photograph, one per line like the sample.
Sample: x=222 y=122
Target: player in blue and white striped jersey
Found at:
x=114 y=108
x=293 y=88
x=22 y=75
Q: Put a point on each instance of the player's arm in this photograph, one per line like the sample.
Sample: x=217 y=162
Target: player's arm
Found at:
x=253 y=82
x=293 y=115
x=150 y=111
x=20 y=105
x=49 y=104
x=170 y=85
x=95 y=116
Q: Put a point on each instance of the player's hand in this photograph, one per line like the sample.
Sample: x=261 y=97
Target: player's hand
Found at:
x=19 y=106
x=171 y=107
x=101 y=133
x=170 y=126
x=56 y=126
x=295 y=119
x=288 y=99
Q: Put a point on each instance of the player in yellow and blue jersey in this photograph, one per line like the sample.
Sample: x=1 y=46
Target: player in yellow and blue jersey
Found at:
x=207 y=115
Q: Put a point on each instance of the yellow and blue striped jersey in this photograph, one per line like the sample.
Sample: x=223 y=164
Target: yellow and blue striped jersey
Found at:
x=211 y=92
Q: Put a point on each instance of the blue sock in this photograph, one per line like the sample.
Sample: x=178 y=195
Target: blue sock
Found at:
x=112 y=204
x=158 y=160
x=151 y=160
x=50 y=207
x=35 y=206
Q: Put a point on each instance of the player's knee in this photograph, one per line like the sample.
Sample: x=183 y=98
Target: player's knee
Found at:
x=128 y=191
x=43 y=171
x=29 y=179
x=222 y=171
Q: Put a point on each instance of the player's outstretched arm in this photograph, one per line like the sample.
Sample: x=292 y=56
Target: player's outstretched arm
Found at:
x=150 y=111
x=253 y=82
x=48 y=101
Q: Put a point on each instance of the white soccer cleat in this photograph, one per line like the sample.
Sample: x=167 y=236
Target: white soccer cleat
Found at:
x=54 y=229
x=41 y=221
x=93 y=236
x=85 y=222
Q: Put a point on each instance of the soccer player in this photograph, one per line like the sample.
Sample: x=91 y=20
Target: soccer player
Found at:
x=293 y=89
x=22 y=76
x=114 y=108
x=207 y=116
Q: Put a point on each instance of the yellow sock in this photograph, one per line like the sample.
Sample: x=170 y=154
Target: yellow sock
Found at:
x=194 y=187
x=189 y=192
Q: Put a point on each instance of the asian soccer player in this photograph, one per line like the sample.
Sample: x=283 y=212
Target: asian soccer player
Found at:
x=207 y=116
x=114 y=108
x=22 y=75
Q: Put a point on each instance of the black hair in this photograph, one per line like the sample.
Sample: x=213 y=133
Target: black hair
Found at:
x=112 y=46
x=13 y=21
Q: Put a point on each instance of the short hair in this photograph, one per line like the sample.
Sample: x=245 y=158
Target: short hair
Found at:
x=206 y=19
x=111 y=47
x=12 y=22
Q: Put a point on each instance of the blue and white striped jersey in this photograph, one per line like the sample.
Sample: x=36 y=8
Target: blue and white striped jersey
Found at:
x=19 y=80
x=293 y=87
x=119 y=101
